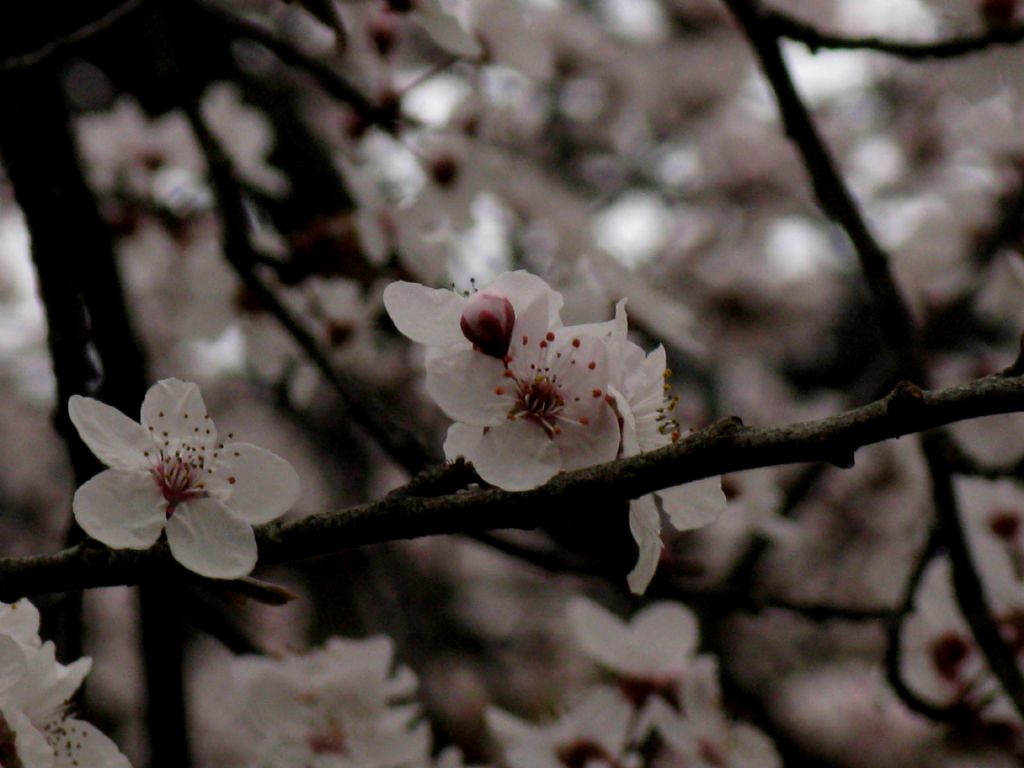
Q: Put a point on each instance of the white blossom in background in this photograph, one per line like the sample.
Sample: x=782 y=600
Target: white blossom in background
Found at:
x=450 y=758
x=699 y=735
x=334 y=707
x=673 y=691
x=384 y=184
x=650 y=655
x=170 y=473
x=447 y=23
x=941 y=661
x=595 y=733
x=36 y=727
x=128 y=153
x=246 y=136
x=457 y=169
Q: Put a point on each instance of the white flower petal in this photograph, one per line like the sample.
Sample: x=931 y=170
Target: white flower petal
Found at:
x=446 y=30
x=462 y=440
x=469 y=386
x=582 y=366
x=13 y=662
x=265 y=485
x=670 y=632
x=206 y=538
x=46 y=685
x=426 y=315
x=124 y=510
x=529 y=334
x=695 y=504
x=33 y=749
x=507 y=727
x=516 y=455
x=523 y=289
x=630 y=444
x=20 y=621
x=602 y=717
x=615 y=329
x=601 y=634
x=597 y=441
x=77 y=743
x=645 y=525
x=176 y=411
x=751 y=747
x=116 y=440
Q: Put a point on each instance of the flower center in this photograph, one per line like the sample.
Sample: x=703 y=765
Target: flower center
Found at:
x=948 y=654
x=540 y=400
x=582 y=753
x=179 y=476
x=328 y=742
x=639 y=690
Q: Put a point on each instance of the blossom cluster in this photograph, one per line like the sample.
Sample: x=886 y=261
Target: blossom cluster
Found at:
x=339 y=706
x=37 y=727
x=344 y=706
x=663 y=707
x=532 y=397
x=941 y=659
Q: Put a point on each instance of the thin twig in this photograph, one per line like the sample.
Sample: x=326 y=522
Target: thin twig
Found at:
x=894 y=640
x=967 y=586
x=375 y=417
x=44 y=52
x=782 y=25
x=331 y=81
x=831 y=190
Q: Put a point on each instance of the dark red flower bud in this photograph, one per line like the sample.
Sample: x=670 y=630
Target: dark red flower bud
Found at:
x=487 y=321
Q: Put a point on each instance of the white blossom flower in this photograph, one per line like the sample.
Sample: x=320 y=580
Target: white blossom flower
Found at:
x=36 y=729
x=650 y=655
x=640 y=389
x=333 y=708
x=941 y=661
x=529 y=396
x=451 y=758
x=445 y=22
x=171 y=473
x=593 y=734
x=699 y=735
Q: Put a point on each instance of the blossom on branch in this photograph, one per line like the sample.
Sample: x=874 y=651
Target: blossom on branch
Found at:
x=36 y=726
x=641 y=391
x=531 y=397
x=528 y=395
x=171 y=473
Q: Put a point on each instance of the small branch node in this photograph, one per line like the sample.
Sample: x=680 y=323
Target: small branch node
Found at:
x=906 y=400
x=1017 y=369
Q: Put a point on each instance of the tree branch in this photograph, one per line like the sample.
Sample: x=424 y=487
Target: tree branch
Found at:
x=401 y=442
x=782 y=25
x=326 y=77
x=81 y=34
x=831 y=190
x=580 y=495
